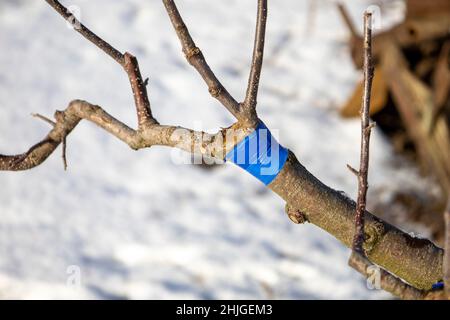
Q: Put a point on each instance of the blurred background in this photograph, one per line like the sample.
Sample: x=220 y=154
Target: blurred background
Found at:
x=136 y=225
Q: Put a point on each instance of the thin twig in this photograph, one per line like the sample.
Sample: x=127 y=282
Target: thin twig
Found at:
x=366 y=127
x=353 y=170
x=127 y=61
x=257 y=60
x=140 y=94
x=45 y=119
x=64 y=150
x=197 y=60
x=85 y=32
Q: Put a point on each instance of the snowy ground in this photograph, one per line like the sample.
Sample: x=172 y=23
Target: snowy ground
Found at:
x=136 y=225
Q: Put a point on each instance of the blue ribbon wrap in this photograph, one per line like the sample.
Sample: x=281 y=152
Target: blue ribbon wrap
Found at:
x=259 y=154
x=438 y=285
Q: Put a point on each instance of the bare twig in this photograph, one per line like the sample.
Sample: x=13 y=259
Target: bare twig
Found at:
x=139 y=88
x=88 y=34
x=358 y=259
x=366 y=127
x=43 y=118
x=127 y=61
x=64 y=151
x=353 y=170
x=195 y=57
x=211 y=145
x=250 y=101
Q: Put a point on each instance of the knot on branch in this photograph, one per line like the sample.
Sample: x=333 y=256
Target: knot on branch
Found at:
x=130 y=62
x=373 y=232
x=59 y=115
x=295 y=215
x=215 y=91
x=192 y=52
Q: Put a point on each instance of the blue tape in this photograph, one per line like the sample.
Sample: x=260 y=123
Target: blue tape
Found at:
x=438 y=285
x=259 y=154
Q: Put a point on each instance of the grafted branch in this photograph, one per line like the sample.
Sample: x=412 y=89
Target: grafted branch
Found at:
x=415 y=260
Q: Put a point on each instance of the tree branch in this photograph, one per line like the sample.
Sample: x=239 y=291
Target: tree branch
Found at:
x=210 y=145
x=127 y=61
x=144 y=114
x=415 y=260
x=250 y=101
x=64 y=140
x=195 y=57
x=88 y=34
x=366 y=127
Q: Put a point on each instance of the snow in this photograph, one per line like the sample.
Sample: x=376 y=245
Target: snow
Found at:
x=135 y=224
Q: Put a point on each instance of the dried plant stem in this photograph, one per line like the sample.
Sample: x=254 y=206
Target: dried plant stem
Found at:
x=366 y=127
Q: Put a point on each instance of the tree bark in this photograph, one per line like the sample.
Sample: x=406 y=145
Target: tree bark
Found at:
x=417 y=261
